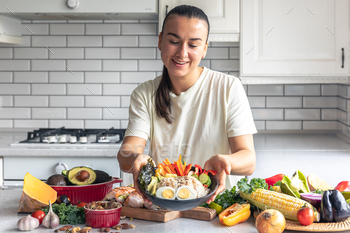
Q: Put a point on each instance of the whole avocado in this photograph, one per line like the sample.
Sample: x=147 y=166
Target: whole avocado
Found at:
x=102 y=177
x=57 y=180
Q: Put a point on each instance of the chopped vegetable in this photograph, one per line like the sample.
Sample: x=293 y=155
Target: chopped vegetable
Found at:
x=343 y=186
x=235 y=214
x=68 y=214
x=271 y=181
x=203 y=178
x=227 y=198
x=216 y=207
x=313 y=198
x=256 y=183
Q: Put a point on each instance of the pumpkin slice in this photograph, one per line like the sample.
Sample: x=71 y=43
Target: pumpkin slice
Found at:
x=36 y=195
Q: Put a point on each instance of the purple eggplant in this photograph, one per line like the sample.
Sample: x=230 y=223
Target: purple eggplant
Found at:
x=313 y=198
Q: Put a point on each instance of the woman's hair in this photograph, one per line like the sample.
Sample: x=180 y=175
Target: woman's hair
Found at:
x=163 y=101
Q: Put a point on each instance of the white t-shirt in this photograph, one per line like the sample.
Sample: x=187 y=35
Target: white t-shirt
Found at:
x=204 y=117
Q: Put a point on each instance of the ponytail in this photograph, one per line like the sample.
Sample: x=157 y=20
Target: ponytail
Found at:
x=163 y=101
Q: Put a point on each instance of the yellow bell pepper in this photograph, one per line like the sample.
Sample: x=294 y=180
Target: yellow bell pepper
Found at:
x=235 y=214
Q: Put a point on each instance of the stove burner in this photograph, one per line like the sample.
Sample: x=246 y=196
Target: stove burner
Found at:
x=63 y=135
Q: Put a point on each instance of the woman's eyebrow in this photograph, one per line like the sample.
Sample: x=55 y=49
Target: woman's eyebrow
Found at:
x=177 y=36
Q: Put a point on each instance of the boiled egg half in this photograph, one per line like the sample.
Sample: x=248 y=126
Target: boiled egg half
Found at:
x=186 y=193
x=166 y=193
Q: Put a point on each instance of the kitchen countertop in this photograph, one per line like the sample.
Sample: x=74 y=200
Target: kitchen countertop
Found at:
x=9 y=200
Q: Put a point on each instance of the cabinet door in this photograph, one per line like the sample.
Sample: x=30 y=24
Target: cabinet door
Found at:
x=294 y=38
x=223 y=14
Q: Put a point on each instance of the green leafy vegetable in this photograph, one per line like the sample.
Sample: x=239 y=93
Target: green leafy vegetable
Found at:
x=319 y=191
x=68 y=214
x=227 y=198
x=256 y=183
x=278 y=183
x=146 y=173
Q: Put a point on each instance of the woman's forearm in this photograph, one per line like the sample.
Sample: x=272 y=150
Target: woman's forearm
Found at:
x=242 y=162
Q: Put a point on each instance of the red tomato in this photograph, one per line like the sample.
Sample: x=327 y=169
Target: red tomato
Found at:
x=81 y=204
x=305 y=216
x=39 y=214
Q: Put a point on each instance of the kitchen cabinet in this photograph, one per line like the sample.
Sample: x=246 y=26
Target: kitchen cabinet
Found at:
x=223 y=16
x=294 y=38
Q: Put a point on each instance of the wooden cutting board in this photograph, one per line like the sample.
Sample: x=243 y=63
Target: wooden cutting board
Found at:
x=200 y=213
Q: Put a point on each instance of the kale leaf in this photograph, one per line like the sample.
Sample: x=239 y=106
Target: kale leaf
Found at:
x=256 y=183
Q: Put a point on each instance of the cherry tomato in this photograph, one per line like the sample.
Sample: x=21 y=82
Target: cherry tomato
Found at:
x=39 y=214
x=305 y=216
x=81 y=204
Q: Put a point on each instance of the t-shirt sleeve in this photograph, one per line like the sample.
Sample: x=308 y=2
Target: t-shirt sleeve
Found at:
x=239 y=115
x=139 y=118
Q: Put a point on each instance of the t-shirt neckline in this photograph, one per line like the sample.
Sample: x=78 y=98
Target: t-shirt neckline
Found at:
x=193 y=87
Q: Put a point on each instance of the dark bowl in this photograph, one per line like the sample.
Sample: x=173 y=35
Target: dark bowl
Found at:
x=180 y=205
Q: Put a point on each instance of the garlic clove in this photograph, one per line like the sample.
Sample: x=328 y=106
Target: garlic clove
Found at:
x=51 y=220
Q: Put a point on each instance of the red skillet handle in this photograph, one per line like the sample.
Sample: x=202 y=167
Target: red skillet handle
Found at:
x=116 y=180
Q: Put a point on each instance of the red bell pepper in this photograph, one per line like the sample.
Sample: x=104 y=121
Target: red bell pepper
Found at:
x=188 y=168
x=273 y=179
x=196 y=171
x=213 y=172
x=200 y=170
x=343 y=186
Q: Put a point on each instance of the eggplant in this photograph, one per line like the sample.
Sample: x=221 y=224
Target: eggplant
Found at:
x=334 y=206
x=313 y=198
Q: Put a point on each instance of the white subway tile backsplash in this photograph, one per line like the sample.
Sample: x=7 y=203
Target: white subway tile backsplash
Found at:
x=37 y=29
x=102 y=77
x=267 y=114
x=48 y=89
x=124 y=124
x=102 y=124
x=84 y=65
x=137 y=77
x=342 y=90
x=320 y=125
x=66 y=53
x=48 y=21
x=66 y=101
x=49 y=113
x=67 y=29
x=6 y=77
x=30 y=77
x=84 y=89
x=102 y=101
x=148 y=41
x=50 y=41
x=125 y=101
x=118 y=89
x=302 y=114
x=257 y=102
x=203 y=62
x=329 y=114
x=234 y=53
x=66 y=123
x=120 y=41
x=31 y=53
x=48 y=65
x=6 y=101
x=119 y=65
x=342 y=116
x=260 y=125
x=6 y=53
x=84 y=41
x=138 y=53
x=66 y=77
x=341 y=103
x=329 y=89
x=14 y=65
x=102 y=53
x=139 y=29
x=302 y=89
x=6 y=123
x=217 y=53
x=320 y=102
x=30 y=123
x=14 y=89
x=284 y=102
x=100 y=21
x=84 y=113
x=283 y=125
x=265 y=90
x=116 y=113
x=14 y=113
x=224 y=44
x=225 y=65
x=26 y=42
x=102 y=29
x=31 y=101
x=150 y=65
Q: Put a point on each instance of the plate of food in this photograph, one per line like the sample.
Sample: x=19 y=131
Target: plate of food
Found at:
x=177 y=186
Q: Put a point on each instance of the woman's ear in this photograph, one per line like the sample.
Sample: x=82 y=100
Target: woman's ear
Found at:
x=160 y=41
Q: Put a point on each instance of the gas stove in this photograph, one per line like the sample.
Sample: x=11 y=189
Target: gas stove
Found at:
x=73 y=137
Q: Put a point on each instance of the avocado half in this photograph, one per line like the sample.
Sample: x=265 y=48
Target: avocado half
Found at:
x=81 y=175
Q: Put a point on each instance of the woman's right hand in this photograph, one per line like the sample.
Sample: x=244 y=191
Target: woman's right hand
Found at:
x=140 y=160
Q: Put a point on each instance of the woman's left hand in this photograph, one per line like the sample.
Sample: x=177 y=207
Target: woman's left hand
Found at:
x=223 y=168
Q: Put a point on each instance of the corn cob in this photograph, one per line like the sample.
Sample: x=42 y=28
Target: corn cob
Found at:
x=287 y=205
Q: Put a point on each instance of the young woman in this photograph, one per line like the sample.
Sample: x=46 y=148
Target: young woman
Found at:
x=201 y=114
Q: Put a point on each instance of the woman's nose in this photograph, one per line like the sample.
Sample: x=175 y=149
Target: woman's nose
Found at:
x=182 y=51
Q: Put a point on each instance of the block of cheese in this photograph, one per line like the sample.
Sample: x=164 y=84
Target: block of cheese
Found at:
x=35 y=195
x=316 y=182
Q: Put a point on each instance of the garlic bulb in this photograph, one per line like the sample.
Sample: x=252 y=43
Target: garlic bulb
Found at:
x=51 y=220
x=27 y=223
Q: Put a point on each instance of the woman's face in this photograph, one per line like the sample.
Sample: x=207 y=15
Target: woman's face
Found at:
x=183 y=45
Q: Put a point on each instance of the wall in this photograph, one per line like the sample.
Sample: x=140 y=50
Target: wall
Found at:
x=81 y=73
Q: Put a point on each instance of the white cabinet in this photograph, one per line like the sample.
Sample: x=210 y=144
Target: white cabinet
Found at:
x=223 y=16
x=294 y=38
